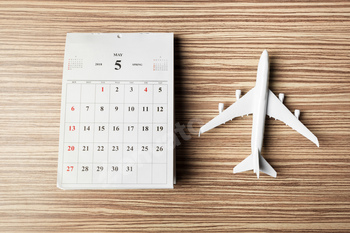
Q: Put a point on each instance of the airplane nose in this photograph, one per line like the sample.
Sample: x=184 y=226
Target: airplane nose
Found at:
x=265 y=54
x=264 y=60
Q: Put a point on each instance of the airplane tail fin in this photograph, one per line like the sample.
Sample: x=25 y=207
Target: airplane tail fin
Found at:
x=257 y=163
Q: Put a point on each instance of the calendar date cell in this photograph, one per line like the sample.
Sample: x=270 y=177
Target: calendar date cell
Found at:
x=160 y=113
x=145 y=133
x=130 y=153
x=159 y=133
x=102 y=112
x=86 y=132
x=129 y=173
x=86 y=151
x=85 y=173
x=100 y=153
x=116 y=113
x=72 y=112
x=144 y=154
x=73 y=93
x=146 y=93
x=116 y=132
x=88 y=93
x=100 y=173
x=117 y=93
x=115 y=173
x=160 y=94
x=101 y=132
x=69 y=173
x=131 y=113
x=87 y=112
x=102 y=93
x=159 y=173
x=131 y=93
x=115 y=152
x=145 y=113
x=70 y=153
x=144 y=173
x=159 y=153
x=130 y=132
x=71 y=132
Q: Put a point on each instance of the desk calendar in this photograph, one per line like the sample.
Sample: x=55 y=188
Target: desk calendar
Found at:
x=116 y=126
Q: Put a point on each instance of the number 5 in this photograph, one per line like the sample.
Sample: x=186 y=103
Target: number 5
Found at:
x=117 y=63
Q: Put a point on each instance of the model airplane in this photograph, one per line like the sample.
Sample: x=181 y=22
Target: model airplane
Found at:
x=259 y=101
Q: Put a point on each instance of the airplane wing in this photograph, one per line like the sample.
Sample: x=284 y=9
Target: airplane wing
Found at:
x=243 y=106
x=276 y=109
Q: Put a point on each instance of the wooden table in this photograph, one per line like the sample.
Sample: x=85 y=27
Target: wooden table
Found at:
x=217 y=47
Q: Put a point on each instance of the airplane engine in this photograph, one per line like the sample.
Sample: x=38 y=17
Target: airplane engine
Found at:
x=281 y=97
x=238 y=94
x=221 y=107
x=297 y=113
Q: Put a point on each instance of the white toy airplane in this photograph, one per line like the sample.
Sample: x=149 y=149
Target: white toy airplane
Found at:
x=259 y=101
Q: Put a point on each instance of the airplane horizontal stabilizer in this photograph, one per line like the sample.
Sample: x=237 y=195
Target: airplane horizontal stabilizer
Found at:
x=248 y=164
x=245 y=165
x=266 y=167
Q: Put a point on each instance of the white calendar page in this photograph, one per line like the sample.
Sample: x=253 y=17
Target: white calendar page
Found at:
x=116 y=126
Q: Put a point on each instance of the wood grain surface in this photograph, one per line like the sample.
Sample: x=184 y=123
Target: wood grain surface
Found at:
x=217 y=48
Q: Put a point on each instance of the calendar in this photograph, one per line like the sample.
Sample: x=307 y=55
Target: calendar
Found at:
x=116 y=127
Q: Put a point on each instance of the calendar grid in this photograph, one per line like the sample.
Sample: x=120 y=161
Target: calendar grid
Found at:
x=93 y=170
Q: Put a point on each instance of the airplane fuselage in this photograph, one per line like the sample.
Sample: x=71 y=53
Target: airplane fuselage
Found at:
x=259 y=114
